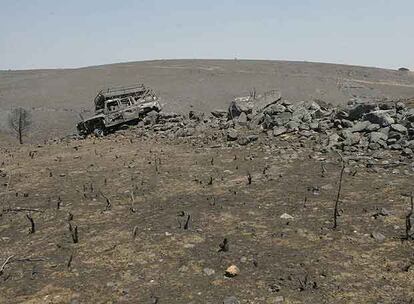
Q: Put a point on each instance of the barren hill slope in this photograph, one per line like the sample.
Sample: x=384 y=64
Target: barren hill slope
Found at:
x=57 y=96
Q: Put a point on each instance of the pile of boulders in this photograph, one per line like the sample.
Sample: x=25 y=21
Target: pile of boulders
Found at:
x=173 y=125
x=375 y=126
x=358 y=126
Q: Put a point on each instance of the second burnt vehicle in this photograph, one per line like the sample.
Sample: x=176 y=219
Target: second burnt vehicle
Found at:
x=117 y=106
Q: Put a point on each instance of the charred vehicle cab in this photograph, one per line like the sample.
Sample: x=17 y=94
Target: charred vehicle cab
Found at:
x=118 y=106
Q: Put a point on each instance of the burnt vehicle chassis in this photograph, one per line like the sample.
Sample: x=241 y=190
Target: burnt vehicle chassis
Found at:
x=115 y=107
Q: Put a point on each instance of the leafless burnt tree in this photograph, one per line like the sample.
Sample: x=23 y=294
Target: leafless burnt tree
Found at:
x=20 y=122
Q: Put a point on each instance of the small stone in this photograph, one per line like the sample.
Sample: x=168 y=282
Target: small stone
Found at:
x=286 y=216
x=327 y=187
x=232 y=271
x=385 y=212
x=208 y=271
x=232 y=135
x=276 y=300
x=379 y=237
x=231 y=300
x=183 y=268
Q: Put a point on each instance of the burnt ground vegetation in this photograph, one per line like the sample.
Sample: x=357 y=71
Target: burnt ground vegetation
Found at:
x=234 y=207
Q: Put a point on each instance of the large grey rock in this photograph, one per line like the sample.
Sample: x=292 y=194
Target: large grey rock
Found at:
x=375 y=137
x=358 y=111
x=333 y=139
x=321 y=114
x=400 y=106
x=275 y=109
x=293 y=125
x=407 y=151
x=240 y=105
x=347 y=123
x=381 y=117
x=395 y=146
x=378 y=145
x=386 y=130
x=395 y=135
x=279 y=130
x=314 y=106
x=245 y=140
x=373 y=127
x=196 y=115
x=306 y=133
x=282 y=118
x=219 y=113
x=410 y=115
x=352 y=139
x=151 y=118
x=399 y=128
x=314 y=125
x=411 y=133
x=266 y=100
x=267 y=122
x=324 y=125
x=242 y=119
x=360 y=126
x=299 y=113
x=257 y=120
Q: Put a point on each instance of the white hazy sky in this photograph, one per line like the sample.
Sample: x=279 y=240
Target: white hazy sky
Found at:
x=56 y=34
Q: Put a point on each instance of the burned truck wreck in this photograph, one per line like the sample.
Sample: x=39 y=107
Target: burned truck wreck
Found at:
x=115 y=107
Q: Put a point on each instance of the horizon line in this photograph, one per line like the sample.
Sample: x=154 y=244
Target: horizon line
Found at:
x=196 y=59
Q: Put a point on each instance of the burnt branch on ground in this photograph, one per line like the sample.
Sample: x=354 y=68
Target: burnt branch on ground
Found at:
x=336 y=211
x=108 y=202
x=74 y=233
x=4 y=264
x=408 y=225
x=32 y=224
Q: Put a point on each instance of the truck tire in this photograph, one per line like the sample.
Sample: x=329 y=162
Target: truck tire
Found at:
x=99 y=132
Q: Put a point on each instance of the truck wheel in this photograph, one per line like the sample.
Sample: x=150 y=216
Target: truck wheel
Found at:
x=99 y=132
